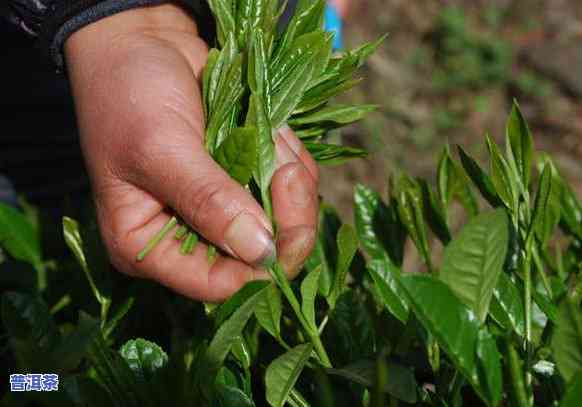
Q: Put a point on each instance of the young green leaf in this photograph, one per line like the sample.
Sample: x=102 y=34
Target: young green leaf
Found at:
x=567 y=339
x=237 y=155
x=502 y=177
x=571 y=212
x=229 y=93
x=308 y=17
x=25 y=316
x=455 y=326
x=474 y=260
x=401 y=382
x=379 y=230
x=74 y=240
x=384 y=274
x=143 y=357
x=283 y=372
x=325 y=252
x=479 y=178
x=347 y=243
x=411 y=212
x=520 y=144
x=332 y=154
x=269 y=310
x=265 y=148
x=509 y=300
x=489 y=367
x=309 y=288
x=228 y=332
x=224 y=311
x=435 y=213
x=19 y=237
x=73 y=347
x=573 y=392
x=224 y=15
x=546 y=211
x=342 y=114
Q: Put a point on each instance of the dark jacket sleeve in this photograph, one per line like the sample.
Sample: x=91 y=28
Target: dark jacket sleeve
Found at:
x=53 y=21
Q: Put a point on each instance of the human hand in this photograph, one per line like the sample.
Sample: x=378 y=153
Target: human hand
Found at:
x=135 y=80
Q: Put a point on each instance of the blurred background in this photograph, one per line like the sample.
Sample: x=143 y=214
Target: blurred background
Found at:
x=448 y=72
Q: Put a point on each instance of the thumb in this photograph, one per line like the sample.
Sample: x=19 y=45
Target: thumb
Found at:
x=209 y=200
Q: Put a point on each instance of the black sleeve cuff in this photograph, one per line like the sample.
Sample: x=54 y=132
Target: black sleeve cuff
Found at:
x=67 y=17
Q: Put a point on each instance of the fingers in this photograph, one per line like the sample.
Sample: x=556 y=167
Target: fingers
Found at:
x=129 y=218
x=295 y=201
x=186 y=178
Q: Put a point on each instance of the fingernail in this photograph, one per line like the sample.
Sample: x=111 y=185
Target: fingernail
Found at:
x=250 y=241
x=284 y=154
x=299 y=187
x=292 y=140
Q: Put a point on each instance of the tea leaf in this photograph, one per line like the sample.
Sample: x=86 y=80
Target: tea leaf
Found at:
x=73 y=238
x=502 y=177
x=571 y=211
x=520 y=144
x=343 y=114
x=480 y=179
x=489 y=367
x=228 y=95
x=474 y=260
x=384 y=274
x=546 y=210
x=209 y=72
x=269 y=310
x=224 y=15
x=435 y=215
x=347 y=243
x=226 y=335
x=308 y=17
x=401 y=382
x=237 y=155
x=309 y=288
x=228 y=396
x=143 y=357
x=265 y=147
x=454 y=325
x=224 y=311
x=25 y=316
x=573 y=392
x=332 y=154
x=19 y=237
x=379 y=229
x=509 y=299
x=325 y=251
x=283 y=372
x=322 y=93
x=567 y=339
x=73 y=347
x=452 y=182
x=411 y=212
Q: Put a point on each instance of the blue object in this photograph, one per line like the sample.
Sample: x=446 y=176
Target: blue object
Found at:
x=333 y=23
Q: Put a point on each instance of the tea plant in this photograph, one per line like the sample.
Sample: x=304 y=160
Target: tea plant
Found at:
x=354 y=328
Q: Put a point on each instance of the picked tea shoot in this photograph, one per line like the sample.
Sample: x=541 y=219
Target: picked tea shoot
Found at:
x=258 y=78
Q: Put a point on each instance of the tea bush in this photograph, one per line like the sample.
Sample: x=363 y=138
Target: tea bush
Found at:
x=495 y=320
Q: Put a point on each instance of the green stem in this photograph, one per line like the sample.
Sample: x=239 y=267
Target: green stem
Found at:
x=283 y=284
x=157 y=238
x=526 y=270
x=513 y=368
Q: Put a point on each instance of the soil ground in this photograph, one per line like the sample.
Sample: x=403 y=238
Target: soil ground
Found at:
x=448 y=73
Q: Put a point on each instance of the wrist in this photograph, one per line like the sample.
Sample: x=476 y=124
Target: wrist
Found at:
x=152 y=20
